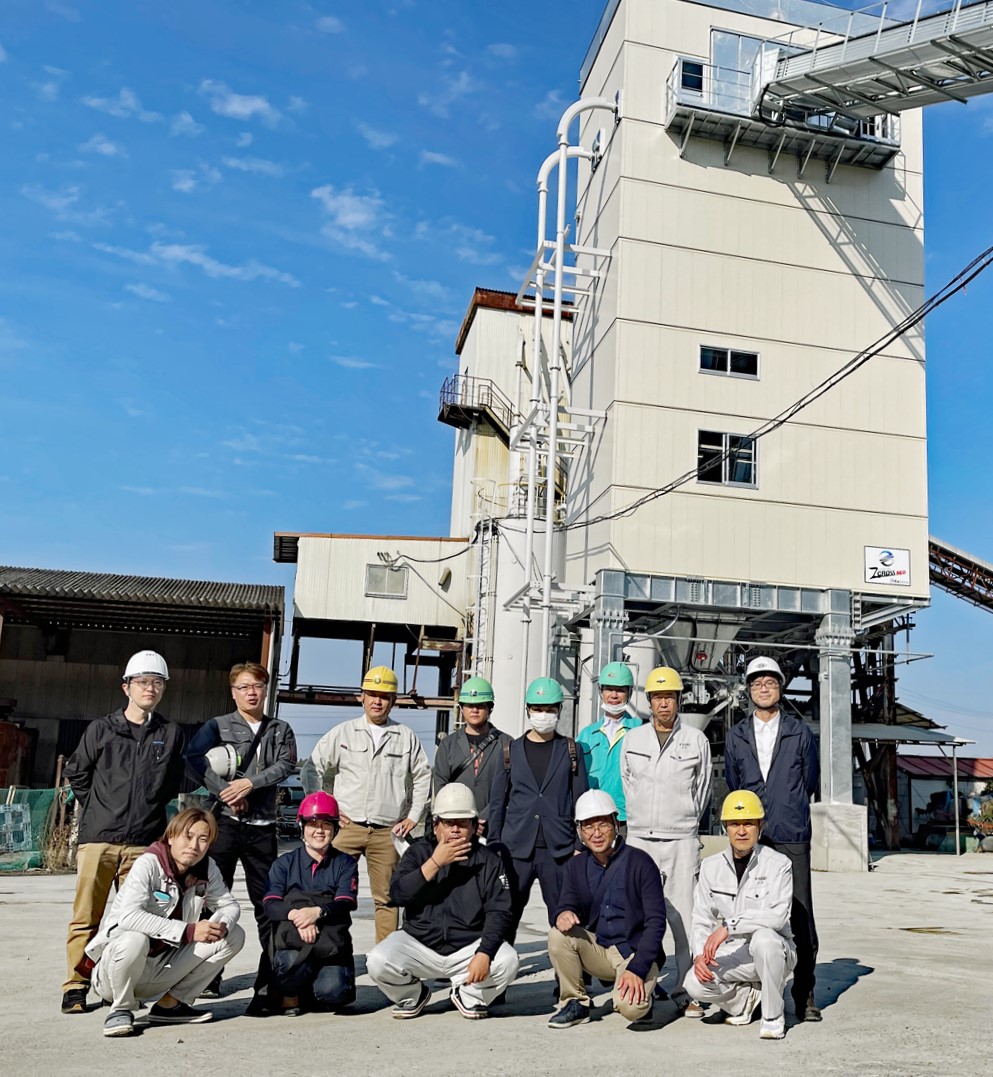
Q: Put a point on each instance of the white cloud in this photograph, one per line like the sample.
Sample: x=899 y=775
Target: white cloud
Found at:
x=70 y=14
x=66 y=237
x=379 y=301
x=145 y=291
x=405 y=499
x=188 y=180
x=297 y=104
x=429 y=157
x=195 y=255
x=502 y=51
x=244 y=140
x=550 y=107
x=124 y=106
x=62 y=204
x=200 y=491
x=348 y=506
x=350 y=363
x=431 y=290
x=131 y=409
x=381 y=480
x=103 y=146
x=254 y=164
x=329 y=25
x=184 y=124
x=47 y=91
x=377 y=140
x=141 y=258
x=428 y=324
x=141 y=491
x=451 y=90
x=244 y=443
x=355 y=220
x=238 y=106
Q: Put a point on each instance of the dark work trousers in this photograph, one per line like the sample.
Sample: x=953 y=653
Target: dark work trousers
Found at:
x=801 y=918
x=325 y=987
x=255 y=847
x=548 y=870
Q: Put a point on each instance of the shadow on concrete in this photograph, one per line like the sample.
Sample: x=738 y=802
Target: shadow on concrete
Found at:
x=662 y=1013
x=835 y=977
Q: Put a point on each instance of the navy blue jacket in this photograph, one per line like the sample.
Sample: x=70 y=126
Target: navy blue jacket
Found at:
x=517 y=803
x=644 y=903
x=794 y=775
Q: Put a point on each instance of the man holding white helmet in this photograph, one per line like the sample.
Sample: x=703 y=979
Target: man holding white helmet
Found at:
x=775 y=756
x=603 y=741
x=533 y=799
x=381 y=779
x=458 y=917
x=741 y=923
x=241 y=757
x=126 y=769
x=610 y=919
x=666 y=770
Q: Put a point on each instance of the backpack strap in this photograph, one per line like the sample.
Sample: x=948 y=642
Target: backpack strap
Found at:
x=506 y=755
x=571 y=745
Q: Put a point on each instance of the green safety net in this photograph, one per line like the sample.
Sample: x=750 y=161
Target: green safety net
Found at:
x=24 y=825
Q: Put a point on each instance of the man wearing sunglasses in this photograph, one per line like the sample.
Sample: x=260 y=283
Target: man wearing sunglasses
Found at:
x=241 y=757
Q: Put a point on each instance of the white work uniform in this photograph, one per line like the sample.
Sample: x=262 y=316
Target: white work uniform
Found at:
x=759 y=951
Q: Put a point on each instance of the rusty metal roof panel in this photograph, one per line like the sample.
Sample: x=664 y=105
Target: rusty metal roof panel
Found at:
x=936 y=766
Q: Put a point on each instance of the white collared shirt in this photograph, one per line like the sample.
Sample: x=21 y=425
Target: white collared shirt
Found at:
x=766 y=735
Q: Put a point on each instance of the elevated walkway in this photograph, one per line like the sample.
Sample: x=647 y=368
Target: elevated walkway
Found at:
x=961 y=574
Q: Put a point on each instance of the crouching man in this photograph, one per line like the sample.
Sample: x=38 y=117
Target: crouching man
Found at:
x=309 y=899
x=741 y=923
x=610 y=921
x=152 y=943
x=457 y=919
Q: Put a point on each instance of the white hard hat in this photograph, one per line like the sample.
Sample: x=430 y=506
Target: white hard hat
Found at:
x=593 y=804
x=223 y=761
x=455 y=801
x=764 y=664
x=146 y=663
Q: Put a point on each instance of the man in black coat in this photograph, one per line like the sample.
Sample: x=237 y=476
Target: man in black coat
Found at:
x=457 y=917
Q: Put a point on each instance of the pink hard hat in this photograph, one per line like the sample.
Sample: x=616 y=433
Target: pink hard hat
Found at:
x=319 y=803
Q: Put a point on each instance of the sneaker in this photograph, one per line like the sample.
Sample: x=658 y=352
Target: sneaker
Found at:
x=213 y=989
x=119 y=1023
x=805 y=1007
x=411 y=1007
x=773 y=1030
x=693 y=1010
x=572 y=1013
x=180 y=1014
x=74 y=1000
x=474 y=1011
x=752 y=1000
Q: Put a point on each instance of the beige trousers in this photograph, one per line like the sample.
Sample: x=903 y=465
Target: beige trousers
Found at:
x=574 y=952
x=381 y=858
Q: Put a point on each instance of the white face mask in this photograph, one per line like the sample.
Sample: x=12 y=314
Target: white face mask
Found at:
x=613 y=710
x=542 y=721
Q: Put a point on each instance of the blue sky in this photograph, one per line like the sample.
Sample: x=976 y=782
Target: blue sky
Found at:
x=239 y=239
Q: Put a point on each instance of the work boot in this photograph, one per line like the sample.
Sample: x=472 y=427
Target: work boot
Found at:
x=74 y=1000
x=805 y=1007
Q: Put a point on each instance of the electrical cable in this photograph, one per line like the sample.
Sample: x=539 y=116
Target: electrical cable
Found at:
x=960 y=281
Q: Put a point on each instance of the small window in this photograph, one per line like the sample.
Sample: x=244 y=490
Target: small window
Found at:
x=729 y=361
x=382 y=581
x=691 y=76
x=728 y=459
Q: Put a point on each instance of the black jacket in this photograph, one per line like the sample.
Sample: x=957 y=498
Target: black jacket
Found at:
x=453 y=762
x=462 y=903
x=794 y=775
x=123 y=782
x=517 y=803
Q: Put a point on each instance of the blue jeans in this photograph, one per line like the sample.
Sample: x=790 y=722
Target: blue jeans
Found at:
x=328 y=986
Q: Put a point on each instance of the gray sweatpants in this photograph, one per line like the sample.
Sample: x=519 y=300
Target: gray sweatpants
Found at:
x=125 y=973
x=763 y=960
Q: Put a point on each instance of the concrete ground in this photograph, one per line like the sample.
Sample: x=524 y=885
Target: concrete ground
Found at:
x=903 y=978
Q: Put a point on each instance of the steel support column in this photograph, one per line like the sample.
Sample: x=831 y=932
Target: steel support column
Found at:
x=607 y=622
x=834 y=640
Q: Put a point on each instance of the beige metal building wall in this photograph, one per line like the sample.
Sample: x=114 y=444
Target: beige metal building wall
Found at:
x=805 y=274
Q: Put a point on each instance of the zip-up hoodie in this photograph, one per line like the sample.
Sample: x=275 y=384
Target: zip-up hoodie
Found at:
x=463 y=902
x=124 y=781
x=152 y=901
x=666 y=789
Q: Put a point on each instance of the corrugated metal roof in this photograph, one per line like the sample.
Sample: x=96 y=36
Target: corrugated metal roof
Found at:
x=936 y=766
x=106 y=587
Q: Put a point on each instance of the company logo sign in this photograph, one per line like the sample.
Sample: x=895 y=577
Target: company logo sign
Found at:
x=887 y=565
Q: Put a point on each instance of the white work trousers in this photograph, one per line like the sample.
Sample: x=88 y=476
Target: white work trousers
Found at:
x=126 y=973
x=678 y=861
x=399 y=963
x=763 y=960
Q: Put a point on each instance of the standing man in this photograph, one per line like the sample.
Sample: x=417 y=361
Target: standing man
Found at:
x=457 y=917
x=128 y=766
x=774 y=755
x=741 y=923
x=381 y=778
x=610 y=921
x=602 y=741
x=472 y=754
x=533 y=800
x=666 y=770
x=241 y=757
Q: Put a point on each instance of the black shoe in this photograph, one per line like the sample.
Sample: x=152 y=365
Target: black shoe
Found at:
x=180 y=1014
x=74 y=1000
x=404 y=1011
x=213 y=989
x=811 y=1011
x=572 y=1013
x=474 y=1011
x=260 y=1006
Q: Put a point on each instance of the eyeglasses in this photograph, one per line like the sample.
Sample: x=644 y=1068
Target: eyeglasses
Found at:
x=765 y=682
x=598 y=826
x=246 y=687
x=148 y=682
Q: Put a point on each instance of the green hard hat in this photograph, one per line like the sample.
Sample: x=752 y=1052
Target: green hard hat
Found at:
x=476 y=690
x=616 y=675
x=544 y=690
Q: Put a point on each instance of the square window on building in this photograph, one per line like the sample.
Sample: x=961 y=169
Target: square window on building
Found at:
x=382 y=581
x=691 y=76
x=727 y=459
x=729 y=361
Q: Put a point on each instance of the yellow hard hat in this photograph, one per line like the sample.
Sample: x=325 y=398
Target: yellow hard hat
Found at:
x=380 y=679
x=741 y=804
x=663 y=679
